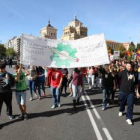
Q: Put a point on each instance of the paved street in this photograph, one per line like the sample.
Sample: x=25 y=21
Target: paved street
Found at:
x=89 y=123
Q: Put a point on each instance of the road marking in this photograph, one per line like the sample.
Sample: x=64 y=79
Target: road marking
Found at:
x=107 y=134
x=93 y=107
x=95 y=127
x=99 y=118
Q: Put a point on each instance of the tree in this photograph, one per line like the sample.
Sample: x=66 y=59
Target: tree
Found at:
x=10 y=52
x=138 y=46
x=131 y=47
x=121 y=48
x=2 y=50
x=109 y=50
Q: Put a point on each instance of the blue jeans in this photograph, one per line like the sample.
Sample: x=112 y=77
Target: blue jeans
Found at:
x=129 y=99
x=83 y=82
x=21 y=97
x=39 y=84
x=106 y=95
x=32 y=89
x=55 y=95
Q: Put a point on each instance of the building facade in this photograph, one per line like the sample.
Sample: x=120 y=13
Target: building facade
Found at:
x=112 y=44
x=48 y=32
x=14 y=43
x=74 y=30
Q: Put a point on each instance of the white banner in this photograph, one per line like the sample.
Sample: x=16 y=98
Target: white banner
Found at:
x=88 y=51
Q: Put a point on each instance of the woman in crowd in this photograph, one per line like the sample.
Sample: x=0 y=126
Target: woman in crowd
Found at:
x=40 y=81
x=32 y=74
x=76 y=87
x=84 y=74
x=91 y=77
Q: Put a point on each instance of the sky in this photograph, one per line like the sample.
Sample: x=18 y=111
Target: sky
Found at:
x=119 y=20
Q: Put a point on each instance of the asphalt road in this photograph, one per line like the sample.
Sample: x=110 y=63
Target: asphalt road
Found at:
x=88 y=123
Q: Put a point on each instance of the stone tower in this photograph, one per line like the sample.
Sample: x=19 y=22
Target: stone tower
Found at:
x=74 y=30
x=49 y=31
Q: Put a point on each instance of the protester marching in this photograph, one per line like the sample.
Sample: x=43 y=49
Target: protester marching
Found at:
x=104 y=75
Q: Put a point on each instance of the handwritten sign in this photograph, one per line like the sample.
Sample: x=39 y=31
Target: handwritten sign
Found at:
x=88 y=51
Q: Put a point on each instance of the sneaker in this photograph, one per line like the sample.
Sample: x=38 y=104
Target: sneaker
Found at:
x=21 y=117
x=53 y=106
x=120 y=114
x=44 y=94
x=25 y=117
x=107 y=104
x=70 y=95
x=129 y=121
x=36 y=95
x=59 y=105
x=31 y=99
x=103 y=108
x=39 y=98
x=11 y=117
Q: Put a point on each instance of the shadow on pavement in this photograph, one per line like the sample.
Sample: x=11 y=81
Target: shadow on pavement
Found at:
x=10 y=122
x=55 y=112
x=136 y=119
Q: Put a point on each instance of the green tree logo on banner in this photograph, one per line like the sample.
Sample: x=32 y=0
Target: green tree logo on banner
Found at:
x=63 y=55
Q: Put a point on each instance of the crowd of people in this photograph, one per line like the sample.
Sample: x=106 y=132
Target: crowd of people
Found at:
x=120 y=74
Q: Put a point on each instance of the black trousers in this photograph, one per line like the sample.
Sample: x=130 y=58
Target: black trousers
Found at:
x=64 y=84
x=6 y=96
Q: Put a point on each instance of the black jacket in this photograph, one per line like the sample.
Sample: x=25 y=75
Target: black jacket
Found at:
x=128 y=81
x=8 y=83
x=107 y=79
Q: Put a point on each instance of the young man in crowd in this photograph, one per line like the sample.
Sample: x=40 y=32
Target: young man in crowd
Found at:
x=6 y=81
x=129 y=82
x=21 y=88
x=108 y=85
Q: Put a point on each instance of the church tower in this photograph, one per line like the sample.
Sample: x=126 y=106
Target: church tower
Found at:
x=49 y=31
x=74 y=30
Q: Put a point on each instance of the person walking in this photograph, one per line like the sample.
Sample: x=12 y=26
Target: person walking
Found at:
x=21 y=88
x=10 y=62
x=65 y=80
x=91 y=77
x=108 y=85
x=56 y=81
x=40 y=81
x=76 y=87
x=70 y=72
x=129 y=82
x=6 y=82
x=32 y=74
